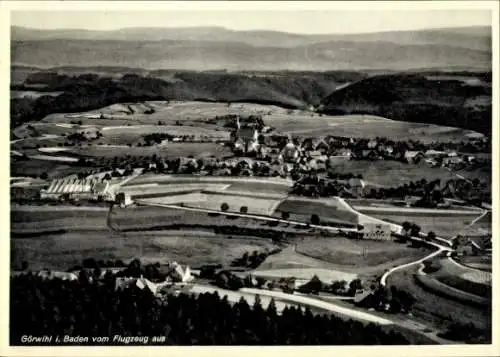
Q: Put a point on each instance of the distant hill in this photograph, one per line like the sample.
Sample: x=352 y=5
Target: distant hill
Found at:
x=218 y=48
x=459 y=100
x=82 y=91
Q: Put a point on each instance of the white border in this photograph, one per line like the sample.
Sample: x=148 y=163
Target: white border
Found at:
x=407 y=351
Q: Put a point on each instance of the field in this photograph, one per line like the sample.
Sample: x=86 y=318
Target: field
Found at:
x=302 y=209
x=186 y=247
x=37 y=167
x=437 y=310
x=131 y=219
x=147 y=190
x=482 y=262
x=360 y=255
x=443 y=226
x=133 y=134
x=361 y=126
x=448 y=268
x=259 y=206
x=171 y=150
x=251 y=184
x=123 y=124
x=305 y=274
x=212 y=201
x=394 y=173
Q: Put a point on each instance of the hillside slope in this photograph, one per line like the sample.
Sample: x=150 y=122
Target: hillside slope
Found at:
x=443 y=100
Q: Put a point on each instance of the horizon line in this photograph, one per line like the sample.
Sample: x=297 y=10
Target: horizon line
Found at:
x=246 y=30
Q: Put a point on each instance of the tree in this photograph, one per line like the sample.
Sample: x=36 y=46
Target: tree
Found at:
x=431 y=236
x=243 y=209
x=415 y=230
x=354 y=286
x=338 y=287
x=44 y=176
x=285 y=216
x=315 y=219
x=406 y=228
x=224 y=207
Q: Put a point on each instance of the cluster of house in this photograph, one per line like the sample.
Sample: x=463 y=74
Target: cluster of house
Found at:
x=316 y=152
x=178 y=276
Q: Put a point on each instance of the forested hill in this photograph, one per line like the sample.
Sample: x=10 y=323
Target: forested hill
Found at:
x=445 y=99
x=81 y=308
x=85 y=91
x=460 y=99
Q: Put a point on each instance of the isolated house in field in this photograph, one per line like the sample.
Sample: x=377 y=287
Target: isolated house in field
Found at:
x=413 y=157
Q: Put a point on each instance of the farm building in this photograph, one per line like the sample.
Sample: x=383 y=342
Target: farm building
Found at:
x=76 y=189
x=413 y=157
x=375 y=231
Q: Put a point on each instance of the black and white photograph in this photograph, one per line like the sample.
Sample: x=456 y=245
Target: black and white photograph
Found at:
x=222 y=175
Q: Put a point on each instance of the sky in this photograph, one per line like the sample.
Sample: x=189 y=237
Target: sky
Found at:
x=294 y=21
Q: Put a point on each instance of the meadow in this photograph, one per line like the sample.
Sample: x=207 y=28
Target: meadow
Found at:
x=170 y=150
x=362 y=256
x=394 y=173
x=301 y=210
x=194 y=248
x=260 y=206
x=437 y=310
x=443 y=226
x=313 y=125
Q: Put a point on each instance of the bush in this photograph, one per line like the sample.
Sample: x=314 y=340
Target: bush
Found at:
x=224 y=207
x=285 y=216
x=243 y=209
x=467 y=333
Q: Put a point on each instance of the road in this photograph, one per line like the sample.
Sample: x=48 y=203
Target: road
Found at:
x=283 y=299
x=246 y=215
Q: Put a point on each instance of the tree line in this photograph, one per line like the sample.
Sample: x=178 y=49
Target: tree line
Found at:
x=84 y=308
